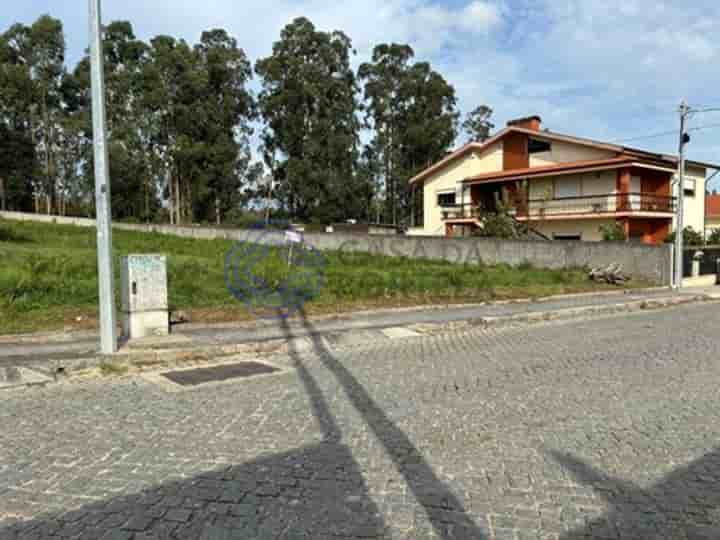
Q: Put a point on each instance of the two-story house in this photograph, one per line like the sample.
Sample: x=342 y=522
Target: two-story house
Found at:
x=563 y=187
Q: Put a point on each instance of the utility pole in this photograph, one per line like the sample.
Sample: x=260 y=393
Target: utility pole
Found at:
x=684 y=139
x=108 y=340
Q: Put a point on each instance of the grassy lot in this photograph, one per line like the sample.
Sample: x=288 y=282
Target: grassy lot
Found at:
x=48 y=278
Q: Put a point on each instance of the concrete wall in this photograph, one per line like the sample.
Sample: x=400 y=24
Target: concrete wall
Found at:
x=649 y=262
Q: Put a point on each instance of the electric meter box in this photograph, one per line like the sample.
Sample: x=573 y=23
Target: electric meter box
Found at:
x=143 y=293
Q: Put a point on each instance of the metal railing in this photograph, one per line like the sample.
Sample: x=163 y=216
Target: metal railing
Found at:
x=561 y=206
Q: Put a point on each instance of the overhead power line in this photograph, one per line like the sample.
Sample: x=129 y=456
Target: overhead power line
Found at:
x=666 y=133
x=652 y=136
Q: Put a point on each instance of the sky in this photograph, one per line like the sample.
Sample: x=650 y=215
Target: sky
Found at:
x=606 y=69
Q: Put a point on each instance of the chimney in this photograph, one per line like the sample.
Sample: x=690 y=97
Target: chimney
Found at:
x=529 y=122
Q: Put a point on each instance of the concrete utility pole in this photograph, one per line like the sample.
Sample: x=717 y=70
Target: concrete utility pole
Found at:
x=108 y=338
x=684 y=139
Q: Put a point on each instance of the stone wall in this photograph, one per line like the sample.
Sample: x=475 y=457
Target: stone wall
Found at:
x=644 y=261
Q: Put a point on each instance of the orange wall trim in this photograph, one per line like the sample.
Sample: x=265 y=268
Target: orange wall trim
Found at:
x=656 y=182
x=650 y=231
x=623 y=186
x=515 y=152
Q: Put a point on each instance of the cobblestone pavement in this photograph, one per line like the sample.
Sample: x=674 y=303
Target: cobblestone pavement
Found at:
x=605 y=428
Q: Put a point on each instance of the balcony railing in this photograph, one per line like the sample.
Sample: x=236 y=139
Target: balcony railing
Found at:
x=579 y=206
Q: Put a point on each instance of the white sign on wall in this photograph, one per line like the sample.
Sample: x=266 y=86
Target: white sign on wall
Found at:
x=293 y=237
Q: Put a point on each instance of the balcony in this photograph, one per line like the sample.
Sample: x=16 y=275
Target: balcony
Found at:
x=610 y=205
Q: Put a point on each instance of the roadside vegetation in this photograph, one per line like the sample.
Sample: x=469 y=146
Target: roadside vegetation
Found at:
x=48 y=278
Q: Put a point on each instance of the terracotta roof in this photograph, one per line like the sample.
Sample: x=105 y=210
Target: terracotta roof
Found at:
x=712 y=206
x=548 y=170
x=551 y=135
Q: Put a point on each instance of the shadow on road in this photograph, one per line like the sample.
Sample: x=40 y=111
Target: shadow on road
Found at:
x=444 y=510
x=685 y=504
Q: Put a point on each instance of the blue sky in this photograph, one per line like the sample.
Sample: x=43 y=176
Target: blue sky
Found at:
x=608 y=69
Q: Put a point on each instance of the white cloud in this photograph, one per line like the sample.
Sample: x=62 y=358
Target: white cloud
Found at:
x=480 y=16
x=602 y=68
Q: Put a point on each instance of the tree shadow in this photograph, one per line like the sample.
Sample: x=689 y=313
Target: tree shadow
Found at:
x=685 y=504
x=444 y=510
x=313 y=492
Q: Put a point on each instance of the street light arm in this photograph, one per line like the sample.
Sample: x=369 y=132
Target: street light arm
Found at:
x=709 y=109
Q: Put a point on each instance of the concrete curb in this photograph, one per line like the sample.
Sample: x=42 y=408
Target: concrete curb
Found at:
x=60 y=336
x=149 y=358
x=570 y=313
x=562 y=314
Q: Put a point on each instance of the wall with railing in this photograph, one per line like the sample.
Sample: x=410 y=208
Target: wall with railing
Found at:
x=597 y=204
x=609 y=203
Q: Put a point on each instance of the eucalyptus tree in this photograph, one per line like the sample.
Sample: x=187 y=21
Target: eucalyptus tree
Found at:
x=411 y=110
x=477 y=125
x=38 y=51
x=309 y=104
x=229 y=108
x=17 y=151
x=171 y=90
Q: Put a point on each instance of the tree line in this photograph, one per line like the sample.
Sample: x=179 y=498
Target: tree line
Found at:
x=335 y=143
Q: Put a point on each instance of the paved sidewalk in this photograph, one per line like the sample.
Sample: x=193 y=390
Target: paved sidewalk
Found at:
x=350 y=328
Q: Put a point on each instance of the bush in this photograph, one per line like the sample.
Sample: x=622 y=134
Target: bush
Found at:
x=714 y=237
x=243 y=219
x=690 y=237
x=613 y=232
x=500 y=224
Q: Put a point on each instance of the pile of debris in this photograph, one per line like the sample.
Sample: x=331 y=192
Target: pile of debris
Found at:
x=612 y=274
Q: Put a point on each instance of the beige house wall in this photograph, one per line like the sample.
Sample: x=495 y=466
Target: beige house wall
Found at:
x=562 y=152
x=694 y=214
x=589 y=184
x=588 y=229
x=449 y=179
x=595 y=184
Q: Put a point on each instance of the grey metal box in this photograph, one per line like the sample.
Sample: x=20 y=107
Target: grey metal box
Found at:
x=143 y=295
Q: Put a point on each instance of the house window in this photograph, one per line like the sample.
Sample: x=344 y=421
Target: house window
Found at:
x=567 y=186
x=446 y=199
x=689 y=187
x=536 y=146
x=566 y=236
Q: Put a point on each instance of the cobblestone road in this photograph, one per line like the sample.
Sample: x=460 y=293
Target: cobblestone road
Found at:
x=592 y=429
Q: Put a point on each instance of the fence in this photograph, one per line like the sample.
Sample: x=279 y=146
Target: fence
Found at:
x=642 y=261
x=708 y=263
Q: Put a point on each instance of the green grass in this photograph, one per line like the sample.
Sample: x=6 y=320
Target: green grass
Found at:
x=113 y=368
x=48 y=278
